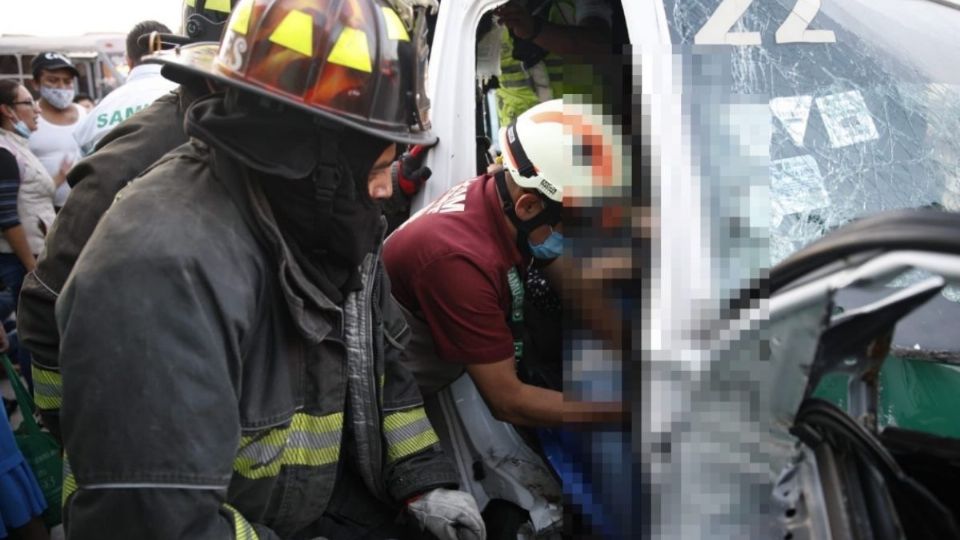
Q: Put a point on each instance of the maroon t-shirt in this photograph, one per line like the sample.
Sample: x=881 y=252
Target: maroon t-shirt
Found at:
x=449 y=264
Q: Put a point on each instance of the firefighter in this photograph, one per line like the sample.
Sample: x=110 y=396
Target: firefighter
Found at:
x=231 y=362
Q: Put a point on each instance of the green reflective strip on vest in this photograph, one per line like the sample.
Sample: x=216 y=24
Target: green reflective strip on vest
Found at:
x=407 y=432
x=242 y=530
x=309 y=440
x=47 y=388
x=69 y=482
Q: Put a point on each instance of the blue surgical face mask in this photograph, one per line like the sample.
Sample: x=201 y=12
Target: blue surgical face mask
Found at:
x=21 y=128
x=551 y=248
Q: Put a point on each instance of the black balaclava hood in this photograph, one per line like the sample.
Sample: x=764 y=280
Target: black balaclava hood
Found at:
x=323 y=209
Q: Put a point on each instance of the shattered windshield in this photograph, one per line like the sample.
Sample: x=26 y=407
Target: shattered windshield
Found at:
x=856 y=128
x=792 y=126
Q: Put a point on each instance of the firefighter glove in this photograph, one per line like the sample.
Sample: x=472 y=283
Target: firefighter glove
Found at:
x=410 y=172
x=448 y=515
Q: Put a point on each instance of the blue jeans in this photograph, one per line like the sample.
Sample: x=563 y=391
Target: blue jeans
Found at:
x=12 y=273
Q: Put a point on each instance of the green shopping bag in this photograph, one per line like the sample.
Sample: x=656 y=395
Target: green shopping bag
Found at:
x=39 y=448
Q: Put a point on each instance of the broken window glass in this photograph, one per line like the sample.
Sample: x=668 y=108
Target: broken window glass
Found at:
x=856 y=131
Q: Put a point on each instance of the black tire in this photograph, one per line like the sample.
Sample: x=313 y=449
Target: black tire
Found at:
x=504 y=519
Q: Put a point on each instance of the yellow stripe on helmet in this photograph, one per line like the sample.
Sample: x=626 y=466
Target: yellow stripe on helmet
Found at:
x=295 y=32
x=351 y=51
x=222 y=6
x=395 y=28
x=240 y=22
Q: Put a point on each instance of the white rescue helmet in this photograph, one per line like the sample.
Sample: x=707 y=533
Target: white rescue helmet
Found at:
x=564 y=150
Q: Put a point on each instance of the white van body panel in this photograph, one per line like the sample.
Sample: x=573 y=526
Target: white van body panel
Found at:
x=451 y=88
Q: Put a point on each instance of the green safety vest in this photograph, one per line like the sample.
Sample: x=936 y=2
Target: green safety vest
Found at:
x=516 y=93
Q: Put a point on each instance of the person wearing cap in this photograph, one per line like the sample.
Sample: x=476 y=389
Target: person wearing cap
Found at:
x=144 y=84
x=122 y=154
x=458 y=266
x=54 y=78
x=231 y=357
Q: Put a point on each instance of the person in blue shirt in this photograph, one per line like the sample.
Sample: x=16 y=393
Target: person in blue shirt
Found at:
x=21 y=501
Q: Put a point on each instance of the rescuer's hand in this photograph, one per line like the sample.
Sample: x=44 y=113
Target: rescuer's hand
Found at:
x=448 y=515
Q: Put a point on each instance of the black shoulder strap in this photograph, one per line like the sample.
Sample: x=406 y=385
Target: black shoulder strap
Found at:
x=524 y=165
x=515 y=319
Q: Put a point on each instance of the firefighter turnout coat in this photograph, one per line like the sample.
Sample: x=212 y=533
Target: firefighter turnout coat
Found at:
x=210 y=390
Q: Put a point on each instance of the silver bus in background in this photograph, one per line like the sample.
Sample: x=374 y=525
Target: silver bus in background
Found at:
x=100 y=58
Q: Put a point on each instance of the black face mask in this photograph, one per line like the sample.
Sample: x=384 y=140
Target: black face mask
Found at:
x=330 y=218
x=315 y=180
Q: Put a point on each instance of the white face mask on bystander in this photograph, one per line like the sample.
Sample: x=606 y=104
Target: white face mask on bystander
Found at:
x=60 y=98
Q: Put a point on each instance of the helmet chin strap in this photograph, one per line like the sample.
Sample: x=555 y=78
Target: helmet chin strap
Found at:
x=549 y=216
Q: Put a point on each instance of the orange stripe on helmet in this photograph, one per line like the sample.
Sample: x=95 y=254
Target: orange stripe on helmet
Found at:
x=601 y=152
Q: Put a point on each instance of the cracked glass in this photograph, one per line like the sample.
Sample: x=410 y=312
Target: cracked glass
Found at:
x=784 y=142
x=857 y=128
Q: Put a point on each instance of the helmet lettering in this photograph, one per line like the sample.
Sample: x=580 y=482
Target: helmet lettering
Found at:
x=547 y=187
x=236 y=57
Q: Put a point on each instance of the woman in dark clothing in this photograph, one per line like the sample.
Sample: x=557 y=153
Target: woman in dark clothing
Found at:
x=26 y=199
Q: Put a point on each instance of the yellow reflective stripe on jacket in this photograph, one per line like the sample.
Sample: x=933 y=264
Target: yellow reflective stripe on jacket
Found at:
x=308 y=440
x=47 y=388
x=69 y=482
x=242 y=530
x=407 y=432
